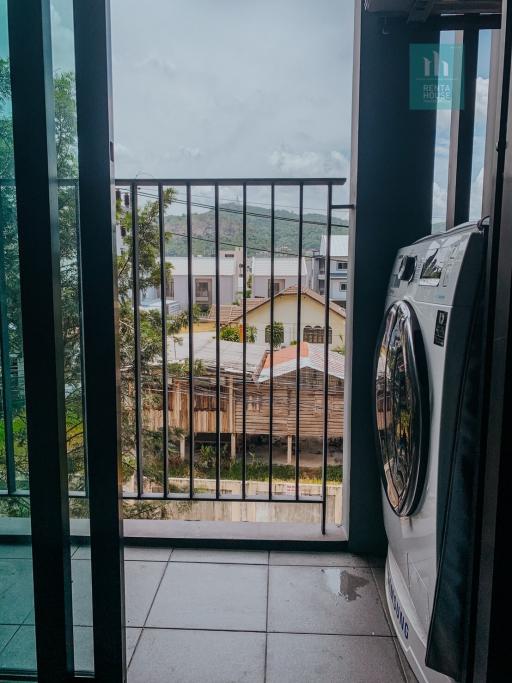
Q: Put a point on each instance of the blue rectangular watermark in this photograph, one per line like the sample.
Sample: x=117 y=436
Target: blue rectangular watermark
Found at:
x=436 y=76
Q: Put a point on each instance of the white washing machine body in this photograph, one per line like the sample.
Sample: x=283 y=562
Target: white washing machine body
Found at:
x=419 y=367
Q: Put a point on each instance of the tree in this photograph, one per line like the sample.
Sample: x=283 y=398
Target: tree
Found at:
x=278 y=334
x=65 y=128
x=149 y=276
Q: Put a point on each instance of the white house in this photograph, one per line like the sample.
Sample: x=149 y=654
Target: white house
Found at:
x=339 y=269
x=203 y=280
x=285 y=274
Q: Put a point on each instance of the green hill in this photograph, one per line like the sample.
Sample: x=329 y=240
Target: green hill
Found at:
x=286 y=231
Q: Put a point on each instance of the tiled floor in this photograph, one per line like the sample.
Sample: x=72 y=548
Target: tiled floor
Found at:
x=221 y=616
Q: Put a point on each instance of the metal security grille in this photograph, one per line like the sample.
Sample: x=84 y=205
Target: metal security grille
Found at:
x=129 y=194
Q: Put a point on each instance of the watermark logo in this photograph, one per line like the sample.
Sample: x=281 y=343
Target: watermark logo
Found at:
x=436 y=76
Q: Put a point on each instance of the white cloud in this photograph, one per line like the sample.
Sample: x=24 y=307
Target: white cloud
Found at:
x=153 y=62
x=122 y=152
x=190 y=152
x=214 y=94
x=477 y=186
x=63 y=42
x=443 y=121
x=439 y=203
x=310 y=163
x=482 y=89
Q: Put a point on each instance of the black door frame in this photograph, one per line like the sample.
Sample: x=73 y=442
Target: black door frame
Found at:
x=488 y=658
x=101 y=354
x=39 y=253
x=37 y=210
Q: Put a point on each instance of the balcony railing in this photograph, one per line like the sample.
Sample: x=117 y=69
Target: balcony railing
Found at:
x=184 y=392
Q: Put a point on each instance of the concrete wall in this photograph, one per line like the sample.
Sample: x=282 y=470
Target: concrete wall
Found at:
x=285 y=311
x=392 y=169
x=260 y=283
x=227 y=289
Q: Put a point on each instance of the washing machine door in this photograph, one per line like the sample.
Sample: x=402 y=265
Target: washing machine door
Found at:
x=402 y=412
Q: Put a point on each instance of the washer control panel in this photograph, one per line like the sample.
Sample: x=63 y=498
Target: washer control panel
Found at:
x=429 y=270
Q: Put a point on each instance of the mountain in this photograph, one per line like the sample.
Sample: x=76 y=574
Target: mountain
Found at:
x=286 y=231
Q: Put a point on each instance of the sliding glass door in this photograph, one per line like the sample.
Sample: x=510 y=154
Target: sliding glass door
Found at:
x=61 y=569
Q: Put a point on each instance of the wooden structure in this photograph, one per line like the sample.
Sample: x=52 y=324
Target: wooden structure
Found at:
x=258 y=404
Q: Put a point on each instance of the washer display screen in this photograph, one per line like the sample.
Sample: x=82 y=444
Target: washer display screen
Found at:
x=402 y=408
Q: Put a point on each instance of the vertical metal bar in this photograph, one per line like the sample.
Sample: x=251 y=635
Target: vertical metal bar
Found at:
x=101 y=333
x=6 y=363
x=39 y=248
x=81 y=332
x=325 y=451
x=271 y=397
x=244 y=347
x=299 y=340
x=217 y=348
x=165 y=369
x=136 y=340
x=190 y=344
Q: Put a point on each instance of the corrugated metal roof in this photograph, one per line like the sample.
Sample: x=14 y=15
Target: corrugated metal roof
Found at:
x=231 y=353
x=201 y=265
x=283 y=266
x=339 y=246
x=311 y=356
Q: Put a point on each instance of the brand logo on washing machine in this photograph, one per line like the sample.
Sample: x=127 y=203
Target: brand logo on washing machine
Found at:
x=397 y=609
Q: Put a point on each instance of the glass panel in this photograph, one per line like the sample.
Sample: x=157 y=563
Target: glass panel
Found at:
x=68 y=204
x=17 y=639
x=399 y=410
x=441 y=158
x=482 y=89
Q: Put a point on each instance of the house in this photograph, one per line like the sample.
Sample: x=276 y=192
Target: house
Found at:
x=203 y=280
x=257 y=369
x=286 y=271
x=311 y=364
x=338 y=272
x=285 y=312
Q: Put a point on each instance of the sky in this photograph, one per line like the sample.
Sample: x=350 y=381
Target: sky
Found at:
x=219 y=88
x=226 y=88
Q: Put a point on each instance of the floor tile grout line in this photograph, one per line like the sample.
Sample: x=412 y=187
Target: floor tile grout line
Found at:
x=266 y=621
x=156 y=592
x=12 y=636
x=387 y=616
x=322 y=634
x=243 y=630
x=400 y=663
x=149 y=609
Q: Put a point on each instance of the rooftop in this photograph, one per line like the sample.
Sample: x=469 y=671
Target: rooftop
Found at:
x=230 y=312
x=311 y=356
x=231 y=353
x=201 y=265
x=283 y=267
x=292 y=291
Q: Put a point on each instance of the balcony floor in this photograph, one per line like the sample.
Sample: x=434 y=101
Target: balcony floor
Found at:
x=227 y=616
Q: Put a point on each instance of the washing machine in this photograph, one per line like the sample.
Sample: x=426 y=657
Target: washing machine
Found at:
x=426 y=388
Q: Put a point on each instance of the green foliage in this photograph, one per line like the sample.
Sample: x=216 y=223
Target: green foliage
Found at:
x=258 y=231
x=277 y=334
x=250 y=334
x=230 y=333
